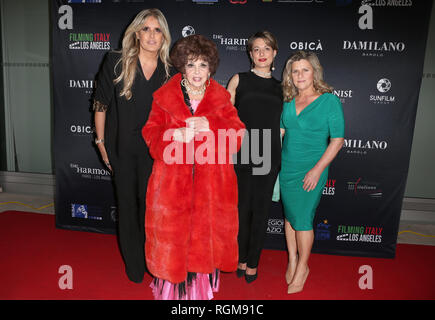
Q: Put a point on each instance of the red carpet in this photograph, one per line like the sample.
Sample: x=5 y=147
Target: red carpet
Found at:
x=33 y=250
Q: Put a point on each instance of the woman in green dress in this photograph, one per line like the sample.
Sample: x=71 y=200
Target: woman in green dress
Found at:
x=312 y=125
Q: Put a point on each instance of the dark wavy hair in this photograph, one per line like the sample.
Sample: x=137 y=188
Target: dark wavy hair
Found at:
x=194 y=47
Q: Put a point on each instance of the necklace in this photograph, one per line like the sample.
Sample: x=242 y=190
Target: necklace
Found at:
x=261 y=74
x=193 y=92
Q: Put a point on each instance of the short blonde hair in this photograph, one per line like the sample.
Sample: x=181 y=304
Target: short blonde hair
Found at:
x=288 y=87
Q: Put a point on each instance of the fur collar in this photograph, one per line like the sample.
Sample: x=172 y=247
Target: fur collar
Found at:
x=170 y=98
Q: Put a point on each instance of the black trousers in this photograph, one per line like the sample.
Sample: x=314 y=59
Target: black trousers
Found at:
x=131 y=173
x=255 y=196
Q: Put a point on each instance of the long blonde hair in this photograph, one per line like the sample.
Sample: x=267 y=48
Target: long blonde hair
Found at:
x=130 y=49
x=288 y=87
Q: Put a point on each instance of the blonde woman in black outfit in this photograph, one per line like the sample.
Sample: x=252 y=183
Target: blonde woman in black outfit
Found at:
x=122 y=102
x=258 y=98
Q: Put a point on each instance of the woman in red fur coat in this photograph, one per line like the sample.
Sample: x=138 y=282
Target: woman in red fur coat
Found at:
x=192 y=220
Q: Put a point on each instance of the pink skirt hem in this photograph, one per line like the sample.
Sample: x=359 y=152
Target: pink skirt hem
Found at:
x=200 y=288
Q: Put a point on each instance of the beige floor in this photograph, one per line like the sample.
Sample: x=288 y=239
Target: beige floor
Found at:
x=409 y=231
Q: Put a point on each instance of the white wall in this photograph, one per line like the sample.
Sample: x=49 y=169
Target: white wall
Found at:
x=25 y=36
x=421 y=176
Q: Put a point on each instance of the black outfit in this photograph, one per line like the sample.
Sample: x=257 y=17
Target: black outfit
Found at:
x=128 y=153
x=259 y=103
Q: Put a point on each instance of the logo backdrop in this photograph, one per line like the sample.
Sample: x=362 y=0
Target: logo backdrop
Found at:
x=372 y=53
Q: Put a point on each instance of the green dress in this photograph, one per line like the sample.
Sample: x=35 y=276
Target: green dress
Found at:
x=306 y=139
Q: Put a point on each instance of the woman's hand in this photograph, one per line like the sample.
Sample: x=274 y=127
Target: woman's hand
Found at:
x=104 y=156
x=183 y=134
x=198 y=124
x=194 y=125
x=311 y=179
x=100 y=119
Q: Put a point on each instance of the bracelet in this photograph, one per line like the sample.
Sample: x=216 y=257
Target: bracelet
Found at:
x=97 y=141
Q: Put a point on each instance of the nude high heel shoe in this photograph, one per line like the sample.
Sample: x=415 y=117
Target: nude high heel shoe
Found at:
x=290 y=272
x=293 y=288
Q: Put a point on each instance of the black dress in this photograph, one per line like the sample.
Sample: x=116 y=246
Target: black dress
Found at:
x=259 y=103
x=128 y=153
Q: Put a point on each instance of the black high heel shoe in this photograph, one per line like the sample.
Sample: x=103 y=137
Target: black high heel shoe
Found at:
x=250 y=277
x=240 y=272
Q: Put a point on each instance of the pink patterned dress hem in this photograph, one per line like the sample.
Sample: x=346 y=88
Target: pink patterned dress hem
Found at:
x=201 y=287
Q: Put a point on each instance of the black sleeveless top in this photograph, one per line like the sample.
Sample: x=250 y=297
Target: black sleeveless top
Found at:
x=259 y=103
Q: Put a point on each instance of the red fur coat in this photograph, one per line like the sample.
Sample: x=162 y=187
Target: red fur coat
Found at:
x=191 y=220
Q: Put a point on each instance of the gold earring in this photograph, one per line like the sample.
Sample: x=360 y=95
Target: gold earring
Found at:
x=184 y=82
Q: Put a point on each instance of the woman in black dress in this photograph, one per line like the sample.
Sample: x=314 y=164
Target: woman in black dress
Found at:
x=122 y=102
x=258 y=99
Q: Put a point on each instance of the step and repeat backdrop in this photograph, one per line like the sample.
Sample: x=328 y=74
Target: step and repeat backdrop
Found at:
x=372 y=52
